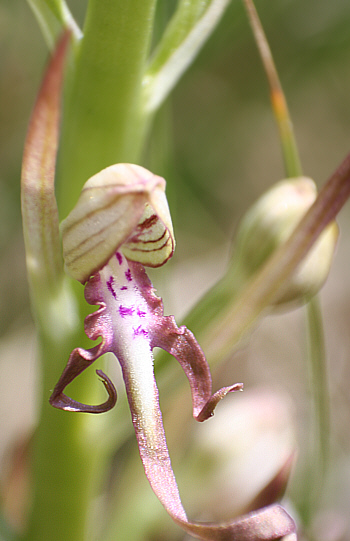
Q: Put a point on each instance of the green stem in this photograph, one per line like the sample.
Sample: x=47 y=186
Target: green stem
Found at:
x=60 y=486
x=69 y=453
x=278 y=101
x=319 y=452
x=320 y=381
x=60 y=505
x=104 y=122
x=102 y=125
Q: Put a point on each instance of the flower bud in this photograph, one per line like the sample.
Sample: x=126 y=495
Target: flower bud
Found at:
x=122 y=207
x=269 y=223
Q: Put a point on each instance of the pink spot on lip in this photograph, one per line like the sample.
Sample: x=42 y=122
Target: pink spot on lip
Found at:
x=139 y=331
x=119 y=257
x=123 y=288
x=126 y=311
x=140 y=313
x=128 y=275
x=109 y=284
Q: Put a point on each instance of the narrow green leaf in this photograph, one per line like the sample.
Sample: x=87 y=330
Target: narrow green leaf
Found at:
x=278 y=100
x=187 y=32
x=54 y=17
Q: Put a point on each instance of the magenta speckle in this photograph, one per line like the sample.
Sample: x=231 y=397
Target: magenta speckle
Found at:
x=119 y=257
x=128 y=275
x=125 y=311
x=139 y=331
x=123 y=288
x=109 y=284
x=140 y=313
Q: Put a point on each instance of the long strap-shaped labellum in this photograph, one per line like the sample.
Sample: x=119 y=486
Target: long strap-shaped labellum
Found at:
x=131 y=322
x=123 y=205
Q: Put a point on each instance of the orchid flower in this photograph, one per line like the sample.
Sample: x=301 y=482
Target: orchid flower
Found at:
x=120 y=224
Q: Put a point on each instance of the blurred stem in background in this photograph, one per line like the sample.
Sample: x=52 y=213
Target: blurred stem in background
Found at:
x=318 y=459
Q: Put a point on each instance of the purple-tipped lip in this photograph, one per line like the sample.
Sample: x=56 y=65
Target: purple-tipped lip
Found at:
x=131 y=330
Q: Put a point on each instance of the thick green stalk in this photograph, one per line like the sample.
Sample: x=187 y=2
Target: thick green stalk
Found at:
x=103 y=122
x=62 y=462
x=57 y=510
x=69 y=450
x=102 y=126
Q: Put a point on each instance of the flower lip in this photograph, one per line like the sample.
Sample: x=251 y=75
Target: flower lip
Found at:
x=131 y=322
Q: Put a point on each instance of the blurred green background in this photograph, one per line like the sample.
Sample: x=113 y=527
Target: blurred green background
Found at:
x=216 y=143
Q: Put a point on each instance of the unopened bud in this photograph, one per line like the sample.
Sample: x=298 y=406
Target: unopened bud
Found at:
x=122 y=207
x=269 y=223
